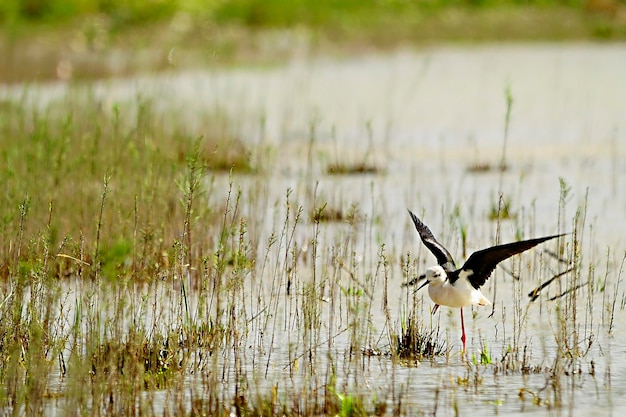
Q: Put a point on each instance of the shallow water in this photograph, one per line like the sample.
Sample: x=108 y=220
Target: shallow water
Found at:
x=432 y=113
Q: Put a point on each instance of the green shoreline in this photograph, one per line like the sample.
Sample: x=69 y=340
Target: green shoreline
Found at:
x=98 y=46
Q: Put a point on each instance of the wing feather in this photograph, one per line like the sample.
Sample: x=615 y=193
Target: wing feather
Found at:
x=441 y=253
x=483 y=262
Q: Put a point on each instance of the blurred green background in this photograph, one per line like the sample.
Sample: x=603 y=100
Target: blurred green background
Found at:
x=41 y=39
x=263 y=13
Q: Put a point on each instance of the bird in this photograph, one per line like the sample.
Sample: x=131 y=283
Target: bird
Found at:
x=458 y=288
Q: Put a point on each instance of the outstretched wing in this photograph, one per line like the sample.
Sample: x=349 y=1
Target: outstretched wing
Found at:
x=483 y=262
x=441 y=253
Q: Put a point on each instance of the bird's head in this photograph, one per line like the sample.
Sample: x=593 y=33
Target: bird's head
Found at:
x=433 y=275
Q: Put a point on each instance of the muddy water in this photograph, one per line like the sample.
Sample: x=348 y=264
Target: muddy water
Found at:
x=424 y=117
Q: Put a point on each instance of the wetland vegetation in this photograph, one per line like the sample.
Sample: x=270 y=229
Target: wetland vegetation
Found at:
x=165 y=259
x=139 y=277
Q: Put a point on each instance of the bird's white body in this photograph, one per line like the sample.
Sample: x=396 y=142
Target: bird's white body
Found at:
x=457 y=295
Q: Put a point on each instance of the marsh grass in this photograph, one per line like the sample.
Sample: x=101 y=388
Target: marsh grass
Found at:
x=417 y=342
x=87 y=159
x=135 y=279
x=569 y=298
x=354 y=164
x=102 y=205
x=478 y=167
x=414 y=340
x=326 y=213
x=343 y=168
x=502 y=210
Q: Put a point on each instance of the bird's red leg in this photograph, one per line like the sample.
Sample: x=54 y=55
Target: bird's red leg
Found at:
x=462 y=330
x=435 y=308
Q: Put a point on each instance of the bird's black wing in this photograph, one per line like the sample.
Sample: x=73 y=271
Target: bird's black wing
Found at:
x=441 y=253
x=483 y=262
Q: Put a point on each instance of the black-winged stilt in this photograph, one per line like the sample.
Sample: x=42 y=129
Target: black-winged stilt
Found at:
x=452 y=287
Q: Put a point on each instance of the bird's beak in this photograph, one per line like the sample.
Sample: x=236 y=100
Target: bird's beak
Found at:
x=424 y=284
